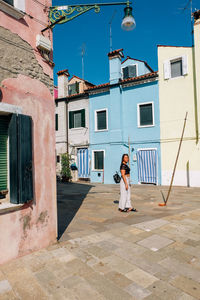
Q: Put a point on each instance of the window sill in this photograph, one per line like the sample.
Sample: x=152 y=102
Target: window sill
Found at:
x=6 y=207
x=146 y=126
x=102 y=130
x=78 y=128
x=177 y=77
x=10 y=10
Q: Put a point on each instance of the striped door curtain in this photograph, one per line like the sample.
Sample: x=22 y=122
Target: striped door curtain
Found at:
x=147 y=166
x=83 y=163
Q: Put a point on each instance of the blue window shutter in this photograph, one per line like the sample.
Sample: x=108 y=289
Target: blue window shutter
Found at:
x=21 y=178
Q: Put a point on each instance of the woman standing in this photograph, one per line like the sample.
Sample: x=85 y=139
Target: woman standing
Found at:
x=125 y=190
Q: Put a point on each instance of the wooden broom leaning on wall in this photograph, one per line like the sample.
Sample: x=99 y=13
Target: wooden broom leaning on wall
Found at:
x=177 y=156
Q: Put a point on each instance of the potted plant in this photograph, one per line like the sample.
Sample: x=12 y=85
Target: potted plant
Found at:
x=65 y=168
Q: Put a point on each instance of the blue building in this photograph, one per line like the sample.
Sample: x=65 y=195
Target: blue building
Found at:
x=124 y=118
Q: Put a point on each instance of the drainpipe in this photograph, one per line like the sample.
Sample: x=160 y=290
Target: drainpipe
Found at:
x=67 y=126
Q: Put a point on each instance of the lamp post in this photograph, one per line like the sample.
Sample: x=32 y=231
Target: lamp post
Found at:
x=63 y=14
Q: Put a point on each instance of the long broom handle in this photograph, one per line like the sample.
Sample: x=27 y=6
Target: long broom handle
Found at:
x=129 y=154
x=179 y=148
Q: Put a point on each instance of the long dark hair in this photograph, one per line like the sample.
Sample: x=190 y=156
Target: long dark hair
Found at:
x=123 y=157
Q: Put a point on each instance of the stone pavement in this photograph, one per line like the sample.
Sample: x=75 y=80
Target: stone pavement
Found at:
x=104 y=254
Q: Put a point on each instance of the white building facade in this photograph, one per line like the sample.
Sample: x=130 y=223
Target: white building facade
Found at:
x=72 y=124
x=179 y=93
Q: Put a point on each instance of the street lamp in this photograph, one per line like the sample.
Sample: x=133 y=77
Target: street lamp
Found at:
x=128 y=22
x=63 y=14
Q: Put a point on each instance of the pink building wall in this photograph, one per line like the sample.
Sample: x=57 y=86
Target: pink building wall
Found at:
x=34 y=225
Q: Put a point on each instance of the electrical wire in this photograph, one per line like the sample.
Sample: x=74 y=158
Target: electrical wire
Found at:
x=37 y=20
x=38 y=2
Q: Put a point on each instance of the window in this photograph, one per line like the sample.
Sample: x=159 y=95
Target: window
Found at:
x=175 y=67
x=129 y=71
x=9 y=1
x=77 y=119
x=145 y=115
x=98 y=160
x=73 y=88
x=16 y=143
x=101 y=120
x=15 y=8
x=56 y=122
x=57 y=158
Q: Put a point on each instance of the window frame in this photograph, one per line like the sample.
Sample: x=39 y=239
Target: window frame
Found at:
x=73 y=111
x=7 y=205
x=174 y=61
x=138 y=114
x=128 y=66
x=77 y=84
x=17 y=10
x=167 y=66
x=95 y=112
x=93 y=160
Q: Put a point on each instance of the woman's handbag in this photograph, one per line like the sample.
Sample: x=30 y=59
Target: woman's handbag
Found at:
x=116 y=177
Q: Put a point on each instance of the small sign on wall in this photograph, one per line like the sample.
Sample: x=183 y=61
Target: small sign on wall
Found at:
x=134 y=157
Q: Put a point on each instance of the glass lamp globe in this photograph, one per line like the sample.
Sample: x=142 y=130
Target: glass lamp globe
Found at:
x=128 y=22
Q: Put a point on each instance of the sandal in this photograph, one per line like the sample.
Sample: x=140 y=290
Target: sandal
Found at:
x=123 y=210
x=132 y=209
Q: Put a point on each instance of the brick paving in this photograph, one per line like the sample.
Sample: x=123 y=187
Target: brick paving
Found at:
x=104 y=254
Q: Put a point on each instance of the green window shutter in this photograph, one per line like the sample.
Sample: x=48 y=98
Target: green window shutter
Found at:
x=72 y=89
x=77 y=87
x=3 y=152
x=146 y=115
x=9 y=2
x=101 y=120
x=71 y=119
x=83 y=118
x=98 y=160
x=56 y=122
x=21 y=178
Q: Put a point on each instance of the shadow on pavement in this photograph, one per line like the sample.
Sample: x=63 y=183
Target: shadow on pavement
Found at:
x=69 y=199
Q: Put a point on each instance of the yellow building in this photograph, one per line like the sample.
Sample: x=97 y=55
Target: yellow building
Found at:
x=179 y=92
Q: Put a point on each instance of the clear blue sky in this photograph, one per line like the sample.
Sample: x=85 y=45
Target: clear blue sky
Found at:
x=157 y=22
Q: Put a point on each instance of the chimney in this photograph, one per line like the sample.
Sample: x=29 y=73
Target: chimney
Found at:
x=115 y=65
x=63 y=83
x=196 y=15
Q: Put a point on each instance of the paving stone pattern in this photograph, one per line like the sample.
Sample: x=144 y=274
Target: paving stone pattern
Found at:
x=153 y=254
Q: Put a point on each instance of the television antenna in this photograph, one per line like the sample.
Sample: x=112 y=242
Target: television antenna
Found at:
x=83 y=55
x=189 y=5
x=110 y=24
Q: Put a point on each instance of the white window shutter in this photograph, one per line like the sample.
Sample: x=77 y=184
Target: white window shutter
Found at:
x=184 y=64
x=167 y=70
x=20 y=4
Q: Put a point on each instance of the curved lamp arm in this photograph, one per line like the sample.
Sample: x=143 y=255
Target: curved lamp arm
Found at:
x=63 y=14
